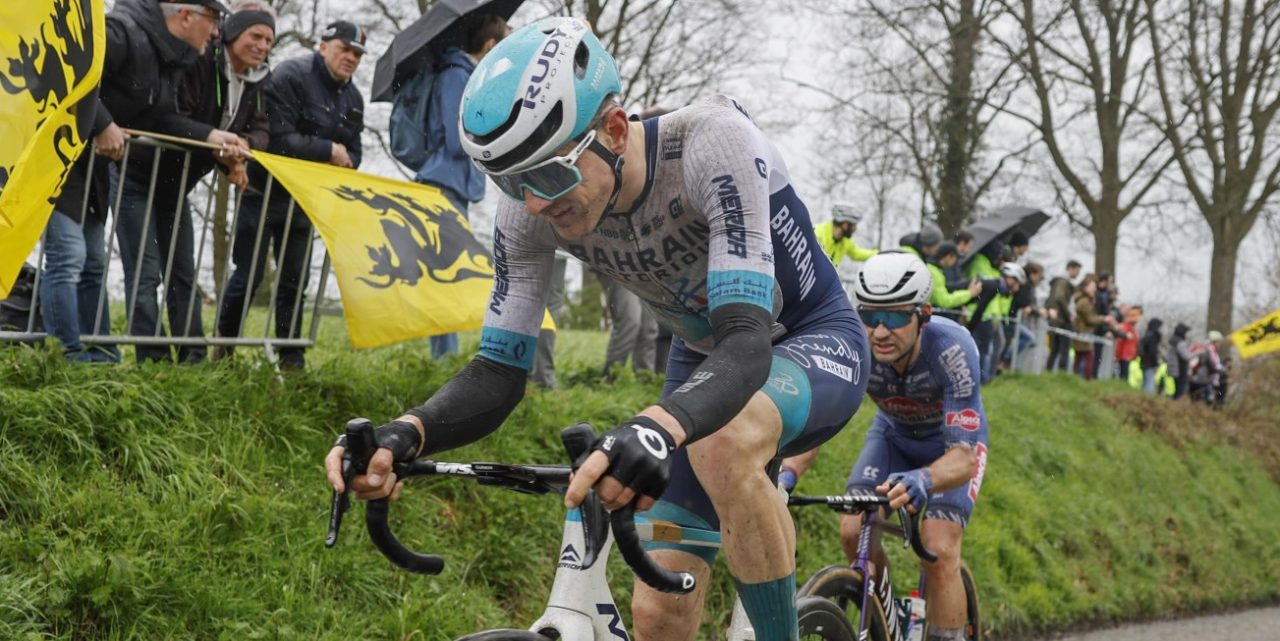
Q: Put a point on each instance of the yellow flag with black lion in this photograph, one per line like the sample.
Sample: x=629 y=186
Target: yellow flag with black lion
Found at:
x=406 y=262
x=51 y=54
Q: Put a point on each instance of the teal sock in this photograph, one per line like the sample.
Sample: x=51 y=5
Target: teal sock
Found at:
x=771 y=606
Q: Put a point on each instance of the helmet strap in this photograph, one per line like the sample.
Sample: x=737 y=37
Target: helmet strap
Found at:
x=617 y=163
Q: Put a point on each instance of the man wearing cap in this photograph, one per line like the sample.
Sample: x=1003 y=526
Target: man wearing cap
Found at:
x=836 y=236
x=149 y=45
x=316 y=114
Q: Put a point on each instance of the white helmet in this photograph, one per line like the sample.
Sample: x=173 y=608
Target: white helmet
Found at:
x=845 y=213
x=893 y=278
x=1014 y=271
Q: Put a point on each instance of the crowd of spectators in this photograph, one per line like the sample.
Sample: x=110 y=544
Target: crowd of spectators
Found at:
x=993 y=291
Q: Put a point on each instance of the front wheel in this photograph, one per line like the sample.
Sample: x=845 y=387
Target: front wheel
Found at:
x=505 y=635
x=822 y=619
x=843 y=586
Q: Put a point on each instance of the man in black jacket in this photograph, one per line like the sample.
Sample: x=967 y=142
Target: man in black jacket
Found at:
x=1149 y=354
x=150 y=44
x=317 y=114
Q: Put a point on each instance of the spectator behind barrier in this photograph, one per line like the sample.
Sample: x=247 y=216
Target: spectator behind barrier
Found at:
x=1087 y=322
x=448 y=167
x=1179 y=359
x=1149 y=354
x=946 y=301
x=317 y=114
x=75 y=257
x=149 y=45
x=1058 y=310
x=1126 y=334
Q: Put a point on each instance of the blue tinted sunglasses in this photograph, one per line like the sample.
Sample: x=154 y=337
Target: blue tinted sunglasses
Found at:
x=890 y=319
x=549 y=179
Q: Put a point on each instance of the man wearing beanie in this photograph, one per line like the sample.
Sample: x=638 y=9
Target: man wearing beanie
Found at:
x=316 y=114
x=223 y=89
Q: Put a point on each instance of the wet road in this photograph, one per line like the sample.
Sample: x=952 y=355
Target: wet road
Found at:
x=1248 y=625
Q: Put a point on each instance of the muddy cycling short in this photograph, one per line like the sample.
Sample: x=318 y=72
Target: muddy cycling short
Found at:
x=817 y=382
x=889 y=449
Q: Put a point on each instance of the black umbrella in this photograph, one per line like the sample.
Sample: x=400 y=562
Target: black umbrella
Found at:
x=417 y=46
x=1002 y=224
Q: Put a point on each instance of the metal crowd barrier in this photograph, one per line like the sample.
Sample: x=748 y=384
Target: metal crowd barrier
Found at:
x=1034 y=359
x=315 y=276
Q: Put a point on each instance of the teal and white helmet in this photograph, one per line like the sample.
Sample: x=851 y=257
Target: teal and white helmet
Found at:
x=537 y=89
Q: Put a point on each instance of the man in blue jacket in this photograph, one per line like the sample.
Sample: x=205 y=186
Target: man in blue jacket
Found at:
x=316 y=113
x=448 y=167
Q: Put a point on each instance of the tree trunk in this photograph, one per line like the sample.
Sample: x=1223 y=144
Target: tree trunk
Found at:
x=957 y=125
x=1222 y=279
x=1106 y=234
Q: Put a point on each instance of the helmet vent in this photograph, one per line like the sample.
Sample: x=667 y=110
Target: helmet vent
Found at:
x=545 y=130
x=580 y=59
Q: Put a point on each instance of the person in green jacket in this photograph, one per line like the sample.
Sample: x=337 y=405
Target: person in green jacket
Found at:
x=949 y=302
x=836 y=236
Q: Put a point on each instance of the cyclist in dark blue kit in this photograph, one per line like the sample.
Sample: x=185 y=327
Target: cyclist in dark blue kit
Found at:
x=694 y=212
x=930 y=433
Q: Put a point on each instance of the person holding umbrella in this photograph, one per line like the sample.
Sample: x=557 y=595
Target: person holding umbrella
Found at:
x=448 y=168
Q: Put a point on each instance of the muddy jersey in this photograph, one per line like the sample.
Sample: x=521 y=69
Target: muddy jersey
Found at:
x=717 y=222
x=939 y=392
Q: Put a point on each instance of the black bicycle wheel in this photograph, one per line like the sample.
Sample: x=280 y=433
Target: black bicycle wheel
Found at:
x=973 y=627
x=842 y=585
x=505 y=635
x=839 y=583
x=822 y=619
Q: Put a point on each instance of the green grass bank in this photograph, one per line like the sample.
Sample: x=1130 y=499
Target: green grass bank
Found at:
x=188 y=503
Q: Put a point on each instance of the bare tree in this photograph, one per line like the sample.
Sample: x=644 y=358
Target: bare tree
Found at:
x=668 y=51
x=936 y=90
x=1089 y=80
x=1216 y=70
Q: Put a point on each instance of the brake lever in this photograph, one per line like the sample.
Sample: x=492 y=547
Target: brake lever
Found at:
x=355 y=461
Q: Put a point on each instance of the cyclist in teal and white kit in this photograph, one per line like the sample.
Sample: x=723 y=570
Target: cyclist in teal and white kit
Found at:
x=930 y=433
x=694 y=212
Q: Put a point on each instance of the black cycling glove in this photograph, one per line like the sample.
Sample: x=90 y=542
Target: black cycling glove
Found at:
x=639 y=454
x=401 y=437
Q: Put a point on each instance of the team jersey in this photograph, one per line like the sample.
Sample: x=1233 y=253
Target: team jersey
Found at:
x=717 y=222
x=939 y=392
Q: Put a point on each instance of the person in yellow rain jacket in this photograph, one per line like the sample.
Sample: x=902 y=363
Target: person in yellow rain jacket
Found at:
x=948 y=302
x=836 y=236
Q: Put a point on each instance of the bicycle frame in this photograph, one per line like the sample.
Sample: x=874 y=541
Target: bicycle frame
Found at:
x=869 y=536
x=581 y=606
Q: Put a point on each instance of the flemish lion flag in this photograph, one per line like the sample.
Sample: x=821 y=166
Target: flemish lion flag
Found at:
x=406 y=262
x=51 y=54
x=1260 y=337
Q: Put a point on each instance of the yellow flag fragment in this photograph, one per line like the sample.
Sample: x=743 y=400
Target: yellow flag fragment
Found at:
x=1259 y=337
x=406 y=262
x=51 y=54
